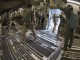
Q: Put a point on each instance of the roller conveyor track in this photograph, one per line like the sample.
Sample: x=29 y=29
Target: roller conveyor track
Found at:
x=15 y=52
x=38 y=54
x=37 y=48
x=33 y=50
x=52 y=39
x=22 y=49
x=15 y=57
x=71 y=55
x=26 y=50
x=43 y=43
x=6 y=52
x=44 y=36
x=29 y=47
x=29 y=50
x=41 y=40
x=49 y=33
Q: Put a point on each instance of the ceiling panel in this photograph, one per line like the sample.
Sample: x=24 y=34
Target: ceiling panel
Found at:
x=5 y=5
x=77 y=0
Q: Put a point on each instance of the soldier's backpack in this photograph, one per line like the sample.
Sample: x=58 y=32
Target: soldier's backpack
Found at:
x=73 y=21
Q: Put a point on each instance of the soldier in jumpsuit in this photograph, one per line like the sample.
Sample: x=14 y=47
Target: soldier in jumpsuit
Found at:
x=71 y=25
x=28 y=21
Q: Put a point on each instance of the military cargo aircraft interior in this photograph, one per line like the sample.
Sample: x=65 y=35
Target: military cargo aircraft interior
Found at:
x=39 y=29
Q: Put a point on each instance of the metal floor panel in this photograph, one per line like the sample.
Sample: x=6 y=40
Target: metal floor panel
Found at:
x=71 y=55
x=41 y=49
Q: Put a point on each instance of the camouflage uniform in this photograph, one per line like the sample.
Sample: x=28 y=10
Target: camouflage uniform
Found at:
x=28 y=23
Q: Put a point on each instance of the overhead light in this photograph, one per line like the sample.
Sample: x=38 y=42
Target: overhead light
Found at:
x=73 y=2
